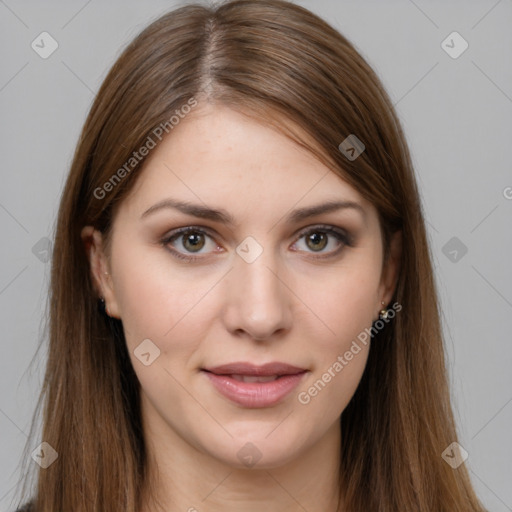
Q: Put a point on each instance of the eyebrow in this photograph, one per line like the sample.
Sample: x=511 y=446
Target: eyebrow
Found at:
x=224 y=217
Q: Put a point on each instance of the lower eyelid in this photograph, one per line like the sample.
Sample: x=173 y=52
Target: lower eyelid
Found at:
x=343 y=241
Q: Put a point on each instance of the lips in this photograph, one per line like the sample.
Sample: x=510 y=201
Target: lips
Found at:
x=255 y=386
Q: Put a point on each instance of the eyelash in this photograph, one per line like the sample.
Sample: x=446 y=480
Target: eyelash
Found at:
x=339 y=234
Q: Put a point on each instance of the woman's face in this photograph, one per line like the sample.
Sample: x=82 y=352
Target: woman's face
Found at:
x=271 y=280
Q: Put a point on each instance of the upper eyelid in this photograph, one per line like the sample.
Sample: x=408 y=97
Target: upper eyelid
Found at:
x=322 y=227
x=180 y=231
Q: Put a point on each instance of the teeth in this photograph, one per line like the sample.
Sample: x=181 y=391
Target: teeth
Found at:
x=255 y=378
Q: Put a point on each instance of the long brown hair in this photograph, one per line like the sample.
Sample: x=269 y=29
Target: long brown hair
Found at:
x=286 y=67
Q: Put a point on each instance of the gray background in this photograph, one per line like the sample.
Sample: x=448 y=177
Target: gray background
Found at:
x=457 y=115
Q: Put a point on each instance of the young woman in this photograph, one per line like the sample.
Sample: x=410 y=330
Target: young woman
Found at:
x=243 y=314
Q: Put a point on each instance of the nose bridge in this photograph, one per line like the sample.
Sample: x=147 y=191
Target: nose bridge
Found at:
x=259 y=301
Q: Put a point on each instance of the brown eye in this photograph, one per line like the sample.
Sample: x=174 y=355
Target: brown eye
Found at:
x=185 y=243
x=193 y=241
x=327 y=241
x=317 y=240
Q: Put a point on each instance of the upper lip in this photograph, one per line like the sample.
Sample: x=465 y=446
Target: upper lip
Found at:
x=241 y=368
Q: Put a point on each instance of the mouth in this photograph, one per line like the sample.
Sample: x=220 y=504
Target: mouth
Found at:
x=255 y=378
x=253 y=386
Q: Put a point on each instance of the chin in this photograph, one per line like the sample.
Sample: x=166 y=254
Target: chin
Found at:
x=257 y=450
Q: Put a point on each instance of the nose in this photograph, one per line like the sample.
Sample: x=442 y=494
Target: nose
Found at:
x=259 y=302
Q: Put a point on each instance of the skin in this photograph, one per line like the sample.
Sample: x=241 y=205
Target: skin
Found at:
x=285 y=306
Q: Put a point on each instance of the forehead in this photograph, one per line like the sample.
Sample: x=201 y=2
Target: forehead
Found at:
x=219 y=156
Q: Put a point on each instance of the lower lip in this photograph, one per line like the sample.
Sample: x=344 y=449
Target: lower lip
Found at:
x=255 y=394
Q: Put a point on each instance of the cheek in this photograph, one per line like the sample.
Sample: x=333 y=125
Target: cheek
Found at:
x=344 y=305
x=158 y=301
x=341 y=346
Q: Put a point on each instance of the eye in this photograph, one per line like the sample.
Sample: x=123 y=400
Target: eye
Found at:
x=316 y=239
x=187 y=241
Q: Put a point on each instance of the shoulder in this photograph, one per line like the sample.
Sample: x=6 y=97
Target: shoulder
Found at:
x=28 y=507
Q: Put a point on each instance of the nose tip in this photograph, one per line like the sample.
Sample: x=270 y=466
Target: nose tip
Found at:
x=258 y=302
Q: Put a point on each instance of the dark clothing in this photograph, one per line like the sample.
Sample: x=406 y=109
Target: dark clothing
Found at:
x=26 y=508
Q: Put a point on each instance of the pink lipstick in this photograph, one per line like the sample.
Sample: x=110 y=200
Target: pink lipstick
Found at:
x=255 y=386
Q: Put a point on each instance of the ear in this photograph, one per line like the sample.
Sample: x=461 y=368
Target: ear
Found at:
x=99 y=267
x=390 y=271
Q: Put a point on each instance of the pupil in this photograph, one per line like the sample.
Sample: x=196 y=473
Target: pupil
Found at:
x=193 y=241
x=317 y=238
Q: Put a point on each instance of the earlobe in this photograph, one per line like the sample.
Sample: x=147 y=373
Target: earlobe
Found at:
x=99 y=268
